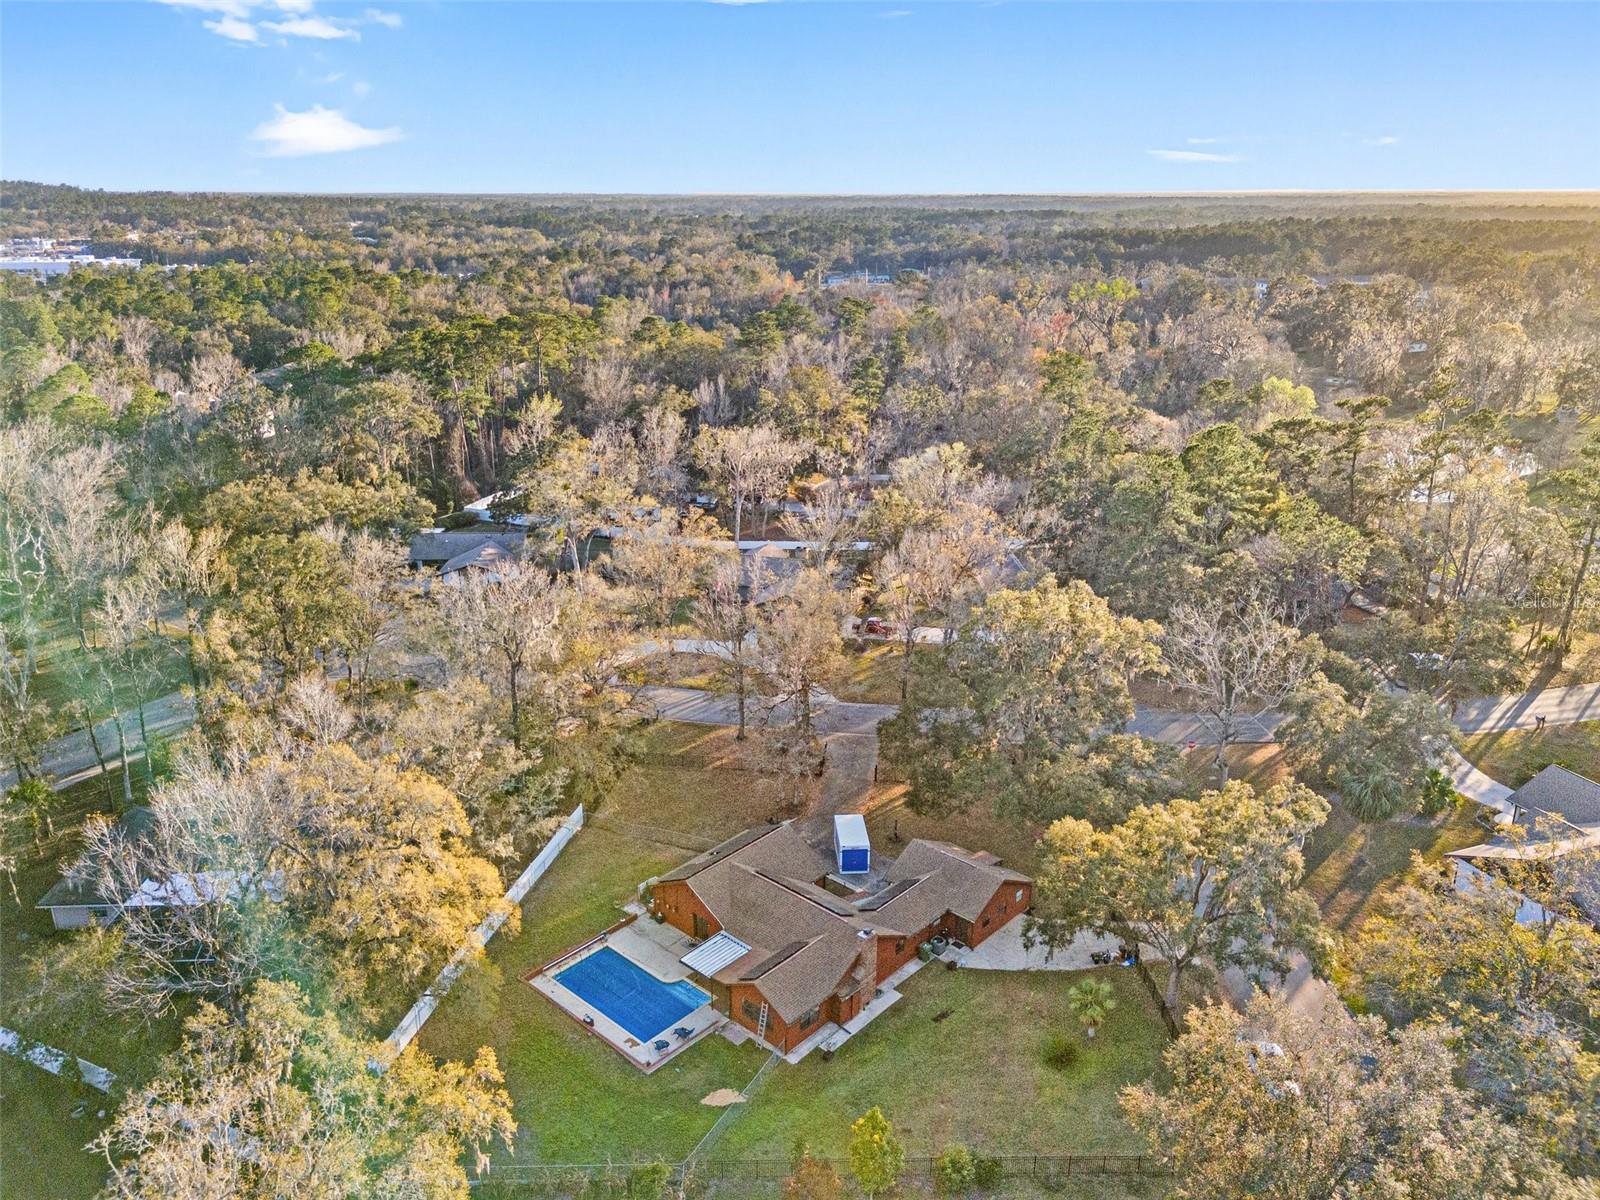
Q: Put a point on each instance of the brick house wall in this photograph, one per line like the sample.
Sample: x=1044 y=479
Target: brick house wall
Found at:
x=684 y=911
x=745 y=1001
x=1008 y=902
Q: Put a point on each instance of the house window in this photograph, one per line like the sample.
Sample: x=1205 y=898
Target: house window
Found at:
x=986 y=922
x=702 y=927
x=751 y=1010
x=810 y=1019
x=1018 y=896
x=900 y=945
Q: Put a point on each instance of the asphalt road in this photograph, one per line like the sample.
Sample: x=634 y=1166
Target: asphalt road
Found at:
x=73 y=754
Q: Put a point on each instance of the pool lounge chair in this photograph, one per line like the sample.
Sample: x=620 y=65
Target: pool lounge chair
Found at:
x=683 y=1031
x=661 y=1044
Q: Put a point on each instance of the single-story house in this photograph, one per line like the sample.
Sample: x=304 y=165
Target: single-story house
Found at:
x=74 y=901
x=441 y=547
x=787 y=944
x=488 y=559
x=1556 y=815
x=767 y=572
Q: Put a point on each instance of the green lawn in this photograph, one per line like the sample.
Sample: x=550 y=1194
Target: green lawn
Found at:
x=41 y=1142
x=25 y=929
x=1350 y=864
x=62 y=680
x=576 y=1100
x=960 y=1058
x=1516 y=756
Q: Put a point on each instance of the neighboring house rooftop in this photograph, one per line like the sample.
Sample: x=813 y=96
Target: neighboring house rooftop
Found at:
x=767 y=572
x=1557 y=813
x=439 y=546
x=77 y=888
x=1558 y=793
x=487 y=556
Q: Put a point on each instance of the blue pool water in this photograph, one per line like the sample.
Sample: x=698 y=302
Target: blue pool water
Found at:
x=628 y=994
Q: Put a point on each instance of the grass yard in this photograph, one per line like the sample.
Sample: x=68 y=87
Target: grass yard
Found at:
x=960 y=1059
x=694 y=786
x=112 y=1042
x=66 y=677
x=576 y=1100
x=1580 y=665
x=872 y=673
x=678 y=670
x=41 y=1142
x=977 y=829
x=1351 y=865
x=1516 y=756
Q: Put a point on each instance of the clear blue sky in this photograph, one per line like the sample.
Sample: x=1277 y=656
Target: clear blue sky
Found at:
x=799 y=97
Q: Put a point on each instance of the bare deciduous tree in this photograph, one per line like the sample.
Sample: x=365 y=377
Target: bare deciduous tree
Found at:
x=1238 y=658
x=747 y=462
x=728 y=620
x=506 y=624
x=800 y=643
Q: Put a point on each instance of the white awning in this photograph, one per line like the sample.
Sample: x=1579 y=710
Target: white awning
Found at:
x=716 y=952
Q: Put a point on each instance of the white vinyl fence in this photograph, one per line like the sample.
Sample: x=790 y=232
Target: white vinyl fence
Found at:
x=48 y=1058
x=411 y=1024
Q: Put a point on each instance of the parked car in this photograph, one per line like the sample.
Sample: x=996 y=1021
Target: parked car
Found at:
x=874 y=627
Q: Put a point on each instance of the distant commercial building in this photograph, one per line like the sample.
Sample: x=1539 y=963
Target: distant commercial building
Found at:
x=39 y=258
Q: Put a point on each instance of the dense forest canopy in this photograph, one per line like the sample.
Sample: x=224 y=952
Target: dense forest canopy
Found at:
x=1332 y=461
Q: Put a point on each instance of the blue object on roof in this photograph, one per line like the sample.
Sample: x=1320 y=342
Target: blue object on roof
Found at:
x=628 y=994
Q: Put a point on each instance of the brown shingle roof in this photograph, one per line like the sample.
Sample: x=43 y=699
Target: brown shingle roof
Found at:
x=953 y=880
x=808 y=943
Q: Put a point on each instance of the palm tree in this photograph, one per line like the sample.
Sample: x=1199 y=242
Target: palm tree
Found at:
x=1091 y=1001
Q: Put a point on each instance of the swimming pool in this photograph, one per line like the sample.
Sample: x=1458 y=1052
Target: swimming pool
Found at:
x=632 y=997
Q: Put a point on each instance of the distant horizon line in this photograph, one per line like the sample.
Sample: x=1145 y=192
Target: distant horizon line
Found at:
x=1232 y=193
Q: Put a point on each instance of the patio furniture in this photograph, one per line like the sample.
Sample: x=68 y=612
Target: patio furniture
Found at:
x=683 y=1031
x=661 y=1044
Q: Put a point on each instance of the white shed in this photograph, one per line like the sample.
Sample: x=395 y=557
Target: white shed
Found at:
x=850 y=845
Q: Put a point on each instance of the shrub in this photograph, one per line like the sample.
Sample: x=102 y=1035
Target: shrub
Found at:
x=649 y=1183
x=988 y=1173
x=954 y=1170
x=1438 y=793
x=813 y=1179
x=1061 y=1051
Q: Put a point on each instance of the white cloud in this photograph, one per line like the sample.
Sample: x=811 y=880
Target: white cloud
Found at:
x=895 y=12
x=1387 y=139
x=1206 y=141
x=237 y=9
x=233 y=29
x=242 y=20
x=1192 y=156
x=318 y=130
x=360 y=87
x=311 y=27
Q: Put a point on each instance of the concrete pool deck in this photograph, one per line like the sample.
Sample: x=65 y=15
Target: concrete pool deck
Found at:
x=650 y=949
